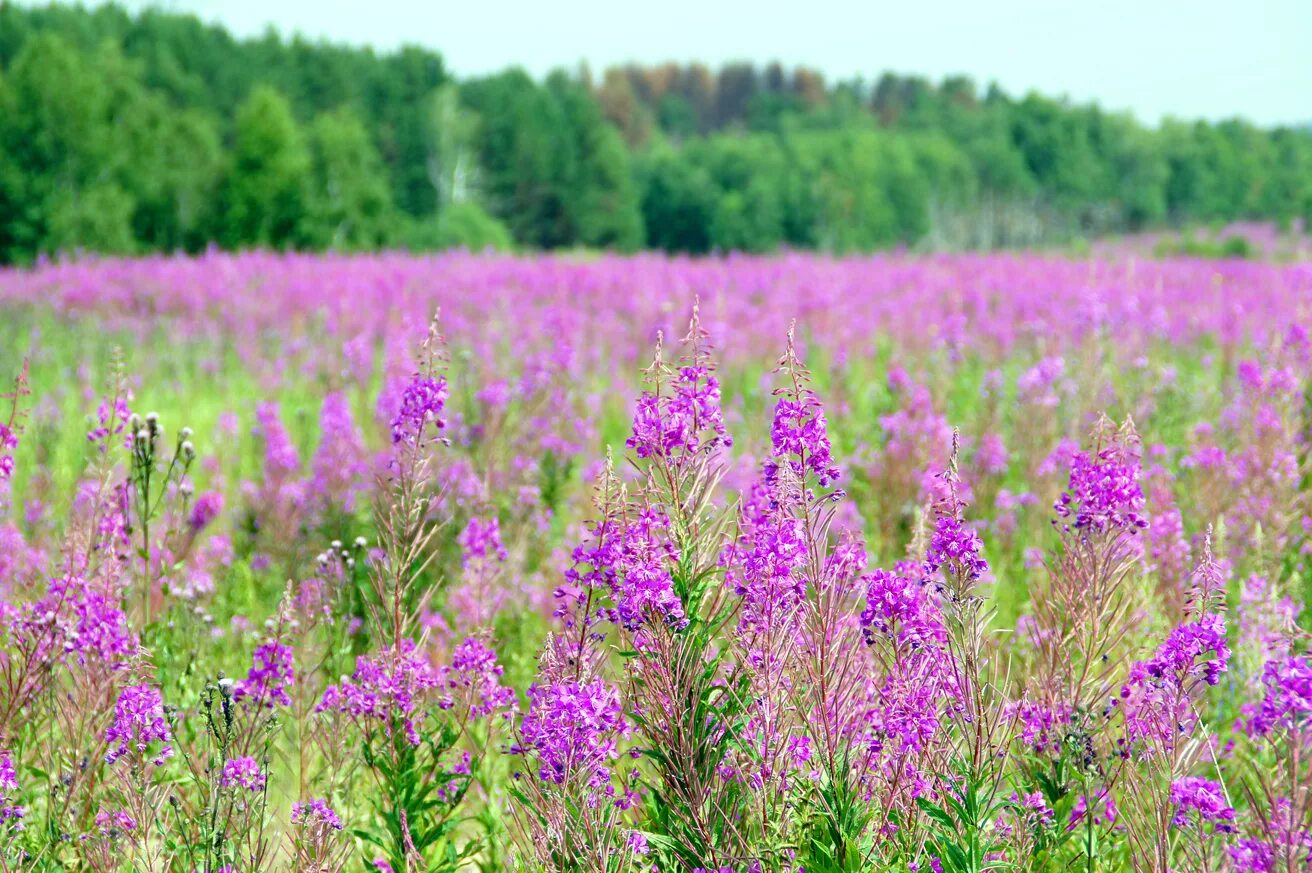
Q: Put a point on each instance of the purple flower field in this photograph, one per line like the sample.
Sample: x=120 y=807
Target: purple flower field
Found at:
x=896 y=563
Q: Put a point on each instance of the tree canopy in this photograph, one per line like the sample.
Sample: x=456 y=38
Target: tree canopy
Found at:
x=156 y=132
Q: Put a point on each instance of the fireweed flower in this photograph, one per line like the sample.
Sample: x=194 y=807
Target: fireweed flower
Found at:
x=1287 y=702
x=115 y=823
x=111 y=420
x=1105 y=817
x=1103 y=492
x=1156 y=701
x=771 y=581
x=315 y=813
x=280 y=456
x=9 y=810
x=422 y=403
x=572 y=730
x=80 y=622
x=623 y=569
x=272 y=673
x=480 y=541
x=386 y=691
x=138 y=723
x=687 y=421
x=799 y=437
x=957 y=547
x=1286 y=844
x=1033 y=809
x=1040 y=727
x=643 y=586
x=1197 y=801
x=340 y=465
x=474 y=681
x=8 y=442
x=245 y=773
x=206 y=508
x=898 y=606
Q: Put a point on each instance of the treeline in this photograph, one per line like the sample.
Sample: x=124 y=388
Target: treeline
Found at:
x=124 y=133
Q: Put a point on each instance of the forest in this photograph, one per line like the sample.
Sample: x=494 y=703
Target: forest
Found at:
x=157 y=132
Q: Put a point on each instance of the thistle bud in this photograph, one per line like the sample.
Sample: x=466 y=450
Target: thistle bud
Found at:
x=188 y=450
x=185 y=433
x=134 y=423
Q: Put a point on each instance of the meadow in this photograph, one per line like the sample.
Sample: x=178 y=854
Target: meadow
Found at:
x=605 y=563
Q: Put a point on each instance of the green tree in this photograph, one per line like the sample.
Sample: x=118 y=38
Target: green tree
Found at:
x=351 y=205
x=266 y=189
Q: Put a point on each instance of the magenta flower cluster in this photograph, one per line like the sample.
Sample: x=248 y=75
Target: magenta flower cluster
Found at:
x=422 y=403
x=387 y=691
x=272 y=673
x=1103 y=492
x=572 y=731
x=1197 y=801
x=315 y=813
x=685 y=421
x=139 y=724
x=10 y=810
x=244 y=773
x=799 y=437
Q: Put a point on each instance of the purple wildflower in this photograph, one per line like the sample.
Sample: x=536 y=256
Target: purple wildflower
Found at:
x=8 y=442
x=799 y=437
x=138 y=722
x=1103 y=492
x=315 y=813
x=573 y=731
x=957 y=547
x=422 y=402
x=272 y=672
x=686 y=422
x=1197 y=800
x=387 y=689
x=771 y=580
x=1156 y=698
x=1287 y=702
x=280 y=457
x=475 y=676
x=340 y=466
x=481 y=541
x=899 y=607
x=9 y=810
x=245 y=773
x=1106 y=817
x=115 y=823
x=206 y=508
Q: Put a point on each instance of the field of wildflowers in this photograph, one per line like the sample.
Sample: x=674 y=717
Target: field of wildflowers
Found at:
x=945 y=564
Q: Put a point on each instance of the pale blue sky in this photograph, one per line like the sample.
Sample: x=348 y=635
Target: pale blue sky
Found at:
x=1188 y=58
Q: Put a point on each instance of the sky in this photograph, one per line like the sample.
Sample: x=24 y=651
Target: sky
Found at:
x=1185 y=58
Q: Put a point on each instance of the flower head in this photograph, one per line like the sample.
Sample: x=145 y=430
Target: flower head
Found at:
x=573 y=731
x=138 y=723
x=1103 y=492
x=245 y=773
x=315 y=813
x=422 y=403
x=271 y=674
